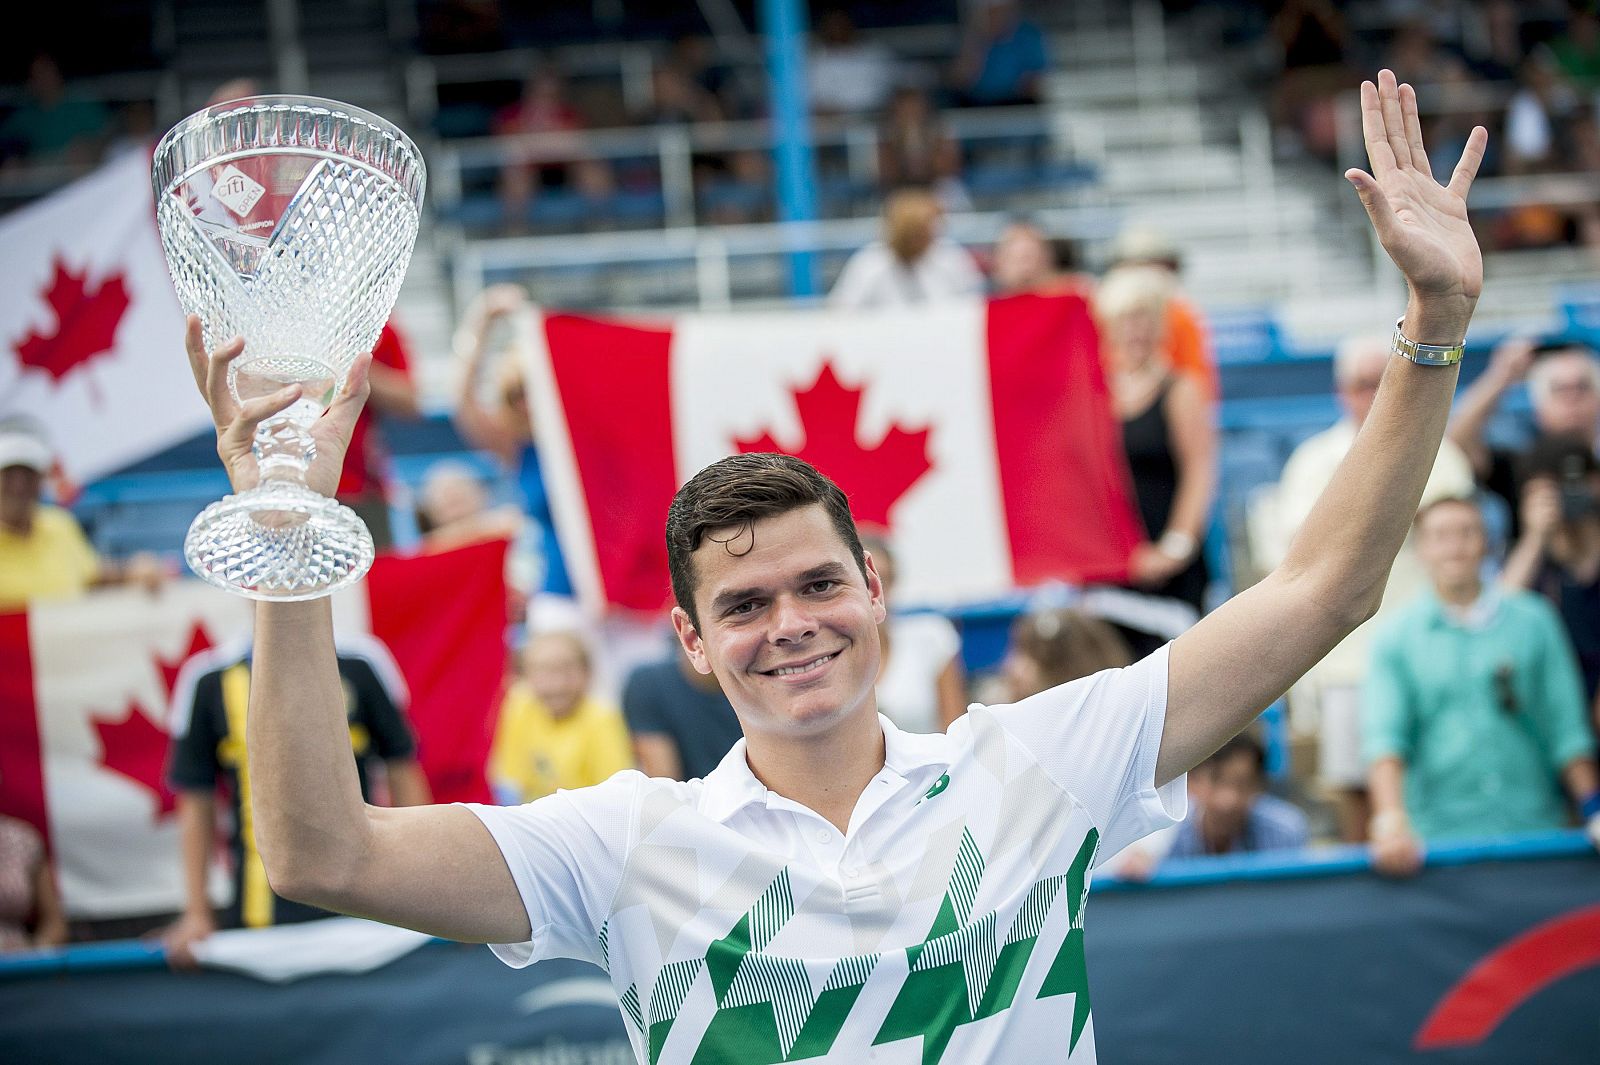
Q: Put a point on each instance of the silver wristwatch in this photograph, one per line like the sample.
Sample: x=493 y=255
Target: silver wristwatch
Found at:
x=1424 y=354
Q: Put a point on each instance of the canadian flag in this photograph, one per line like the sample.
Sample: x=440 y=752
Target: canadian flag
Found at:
x=84 y=708
x=91 y=334
x=980 y=434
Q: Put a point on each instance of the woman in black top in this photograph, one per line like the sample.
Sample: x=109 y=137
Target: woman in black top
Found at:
x=1167 y=433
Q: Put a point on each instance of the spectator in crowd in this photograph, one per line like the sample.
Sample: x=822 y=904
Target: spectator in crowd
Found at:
x=31 y=917
x=912 y=264
x=364 y=482
x=1564 y=388
x=1186 y=340
x=696 y=56
x=1051 y=647
x=1312 y=39
x=553 y=732
x=846 y=75
x=1549 y=128
x=1233 y=814
x=209 y=704
x=1558 y=554
x=915 y=147
x=503 y=425
x=559 y=159
x=1026 y=260
x=682 y=724
x=1167 y=434
x=1330 y=694
x=1538 y=117
x=1416 y=55
x=454 y=510
x=43 y=551
x=1576 y=52
x=1473 y=711
x=1002 y=61
x=920 y=682
x=52 y=125
x=677 y=99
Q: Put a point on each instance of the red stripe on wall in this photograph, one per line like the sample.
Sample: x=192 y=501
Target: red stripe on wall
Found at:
x=21 y=760
x=1510 y=976
x=1062 y=474
x=620 y=424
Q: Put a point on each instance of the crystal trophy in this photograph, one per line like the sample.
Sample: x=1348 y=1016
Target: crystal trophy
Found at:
x=289 y=221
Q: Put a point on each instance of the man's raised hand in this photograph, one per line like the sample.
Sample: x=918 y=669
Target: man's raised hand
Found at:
x=1421 y=223
x=236 y=422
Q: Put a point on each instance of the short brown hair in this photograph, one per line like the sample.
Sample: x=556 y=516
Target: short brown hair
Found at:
x=738 y=491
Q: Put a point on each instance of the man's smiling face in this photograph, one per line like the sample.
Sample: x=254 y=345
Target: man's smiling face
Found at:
x=786 y=622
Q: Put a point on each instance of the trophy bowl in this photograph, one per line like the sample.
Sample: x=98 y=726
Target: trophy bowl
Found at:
x=289 y=221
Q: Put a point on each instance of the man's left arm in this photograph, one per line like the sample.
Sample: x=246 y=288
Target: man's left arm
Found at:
x=1236 y=661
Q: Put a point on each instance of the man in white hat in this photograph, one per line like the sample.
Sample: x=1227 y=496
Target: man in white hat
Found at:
x=43 y=552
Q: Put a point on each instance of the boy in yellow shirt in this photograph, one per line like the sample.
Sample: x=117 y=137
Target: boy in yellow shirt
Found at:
x=552 y=734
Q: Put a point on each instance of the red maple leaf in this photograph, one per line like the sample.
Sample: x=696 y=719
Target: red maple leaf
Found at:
x=199 y=640
x=136 y=748
x=86 y=322
x=873 y=477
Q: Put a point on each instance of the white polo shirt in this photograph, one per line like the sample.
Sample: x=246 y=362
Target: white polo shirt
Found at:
x=945 y=925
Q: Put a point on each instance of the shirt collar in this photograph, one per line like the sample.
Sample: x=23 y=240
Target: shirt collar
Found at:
x=1474 y=618
x=731 y=786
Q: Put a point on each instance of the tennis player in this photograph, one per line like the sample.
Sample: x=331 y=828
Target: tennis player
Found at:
x=837 y=890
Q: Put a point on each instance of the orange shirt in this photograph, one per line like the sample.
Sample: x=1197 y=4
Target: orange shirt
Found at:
x=1189 y=346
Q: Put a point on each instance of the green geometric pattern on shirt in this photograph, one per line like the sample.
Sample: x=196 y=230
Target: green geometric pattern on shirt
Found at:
x=958 y=977
x=766 y=1012
x=766 y=1009
x=1069 y=973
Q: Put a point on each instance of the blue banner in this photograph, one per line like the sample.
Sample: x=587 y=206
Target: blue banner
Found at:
x=1491 y=960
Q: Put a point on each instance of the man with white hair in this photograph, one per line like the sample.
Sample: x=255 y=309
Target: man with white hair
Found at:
x=1328 y=698
x=1563 y=380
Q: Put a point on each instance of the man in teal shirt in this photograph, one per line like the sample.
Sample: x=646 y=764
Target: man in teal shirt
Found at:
x=1473 y=711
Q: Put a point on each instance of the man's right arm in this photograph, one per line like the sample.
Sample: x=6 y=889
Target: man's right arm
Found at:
x=432 y=868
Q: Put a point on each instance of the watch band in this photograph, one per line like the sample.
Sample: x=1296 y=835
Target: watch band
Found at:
x=1424 y=354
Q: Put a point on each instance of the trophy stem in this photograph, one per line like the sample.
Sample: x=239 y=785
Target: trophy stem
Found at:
x=284 y=449
x=282 y=539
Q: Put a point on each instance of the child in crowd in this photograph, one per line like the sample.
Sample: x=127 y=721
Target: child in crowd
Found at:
x=552 y=732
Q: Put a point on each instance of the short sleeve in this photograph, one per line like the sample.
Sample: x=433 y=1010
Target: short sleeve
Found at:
x=565 y=852
x=192 y=765
x=1098 y=738
x=1386 y=705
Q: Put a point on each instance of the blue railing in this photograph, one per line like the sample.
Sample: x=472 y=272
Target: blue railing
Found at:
x=124 y=955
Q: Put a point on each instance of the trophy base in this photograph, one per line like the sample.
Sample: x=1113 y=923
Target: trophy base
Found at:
x=278 y=542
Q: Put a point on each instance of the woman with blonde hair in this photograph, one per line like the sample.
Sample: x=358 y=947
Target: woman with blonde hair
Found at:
x=1168 y=435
